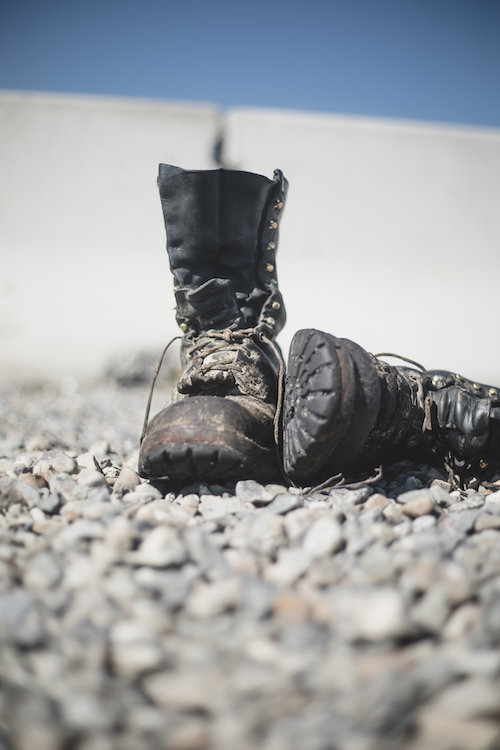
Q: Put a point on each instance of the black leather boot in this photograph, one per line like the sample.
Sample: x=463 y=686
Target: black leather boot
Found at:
x=222 y=234
x=345 y=411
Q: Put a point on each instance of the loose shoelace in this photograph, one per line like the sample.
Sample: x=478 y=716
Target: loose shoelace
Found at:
x=150 y=397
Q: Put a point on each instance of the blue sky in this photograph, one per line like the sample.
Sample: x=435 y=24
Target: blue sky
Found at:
x=419 y=59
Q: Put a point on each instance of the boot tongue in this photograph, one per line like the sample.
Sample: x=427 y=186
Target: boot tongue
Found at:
x=212 y=305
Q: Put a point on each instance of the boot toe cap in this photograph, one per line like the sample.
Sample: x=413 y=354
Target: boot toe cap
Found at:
x=208 y=438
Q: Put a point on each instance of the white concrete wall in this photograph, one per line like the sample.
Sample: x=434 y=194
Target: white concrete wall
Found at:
x=84 y=272
x=391 y=234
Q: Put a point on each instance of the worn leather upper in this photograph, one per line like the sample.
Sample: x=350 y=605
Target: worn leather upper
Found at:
x=223 y=224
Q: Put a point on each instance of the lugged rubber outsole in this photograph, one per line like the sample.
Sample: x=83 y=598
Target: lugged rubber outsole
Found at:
x=331 y=401
x=319 y=398
x=207 y=438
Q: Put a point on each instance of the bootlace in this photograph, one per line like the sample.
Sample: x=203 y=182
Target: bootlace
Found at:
x=422 y=401
x=211 y=342
x=403 y=359
x=150 y=397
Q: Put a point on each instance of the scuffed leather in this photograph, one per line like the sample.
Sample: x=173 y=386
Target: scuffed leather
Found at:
x=464 y=417
x=211 y=305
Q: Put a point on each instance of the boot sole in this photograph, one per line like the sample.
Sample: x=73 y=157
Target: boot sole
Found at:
x=331 y=401
x=206 y=438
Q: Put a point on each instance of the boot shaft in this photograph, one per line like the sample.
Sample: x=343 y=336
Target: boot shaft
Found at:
x=222 y=235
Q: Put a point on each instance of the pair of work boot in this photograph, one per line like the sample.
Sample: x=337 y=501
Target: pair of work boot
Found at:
x=340 y=410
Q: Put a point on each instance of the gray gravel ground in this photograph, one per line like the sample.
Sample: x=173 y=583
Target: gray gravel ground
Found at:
x=233 y=617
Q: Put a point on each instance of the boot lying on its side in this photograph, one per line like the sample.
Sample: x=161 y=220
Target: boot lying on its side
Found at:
x=347 y=412
x=222 y=234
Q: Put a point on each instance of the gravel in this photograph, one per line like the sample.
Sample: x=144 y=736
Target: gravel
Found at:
x=214 y=617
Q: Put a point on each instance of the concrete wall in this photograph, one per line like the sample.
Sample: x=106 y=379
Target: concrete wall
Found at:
x=391 y=234
x=84 y=272
x=390 y=237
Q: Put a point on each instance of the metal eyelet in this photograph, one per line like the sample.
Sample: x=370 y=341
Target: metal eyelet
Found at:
x=269 y=267
x=184 y=327
x=493 y=392
x=270 y=322
x=271 y=246
x=276 y=305
x=476 y=387
x=273 y=225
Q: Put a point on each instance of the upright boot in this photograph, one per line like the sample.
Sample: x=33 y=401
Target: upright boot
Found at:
x=345 y=411
x=222 y=235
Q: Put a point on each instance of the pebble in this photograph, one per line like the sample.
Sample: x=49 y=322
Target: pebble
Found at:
x=423 y=522
x=79 y=529
x=248 y=490
x=20 y=620
x=266 y=533
x=376 y=501
x=323 y=537
x=440 y=492
x=91 y=478
x=393 y=513
x=127 y=481
x=214 y=507
x=64 y=486
x=161 y=548
x=486 y=521
x=432 y=610
x=15 y=491
x=119 y=535
x=463 y=520
x=211 y=599
x=242 y=561
x=225 y=615
x=461 y=623
x=188 y=503
x=87 y=461
x=56 y=461
x=414 y=495
x=284 y=503
x=370 y=615
x=49 y=503
x=204 y=552
x=422 y=505
x=184 y=690
x=43 y=571
x=290 y=565
x=135 y=649
x=297 y=522
x=469 y=503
